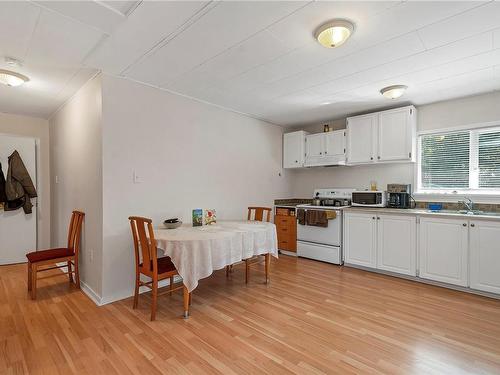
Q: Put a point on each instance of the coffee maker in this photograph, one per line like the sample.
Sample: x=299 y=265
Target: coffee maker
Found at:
x=399 y=195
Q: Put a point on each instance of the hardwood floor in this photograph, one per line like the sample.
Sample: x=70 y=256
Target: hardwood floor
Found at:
x=311 y=318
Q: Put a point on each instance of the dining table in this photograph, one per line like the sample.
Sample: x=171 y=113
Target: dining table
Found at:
x=198 y=251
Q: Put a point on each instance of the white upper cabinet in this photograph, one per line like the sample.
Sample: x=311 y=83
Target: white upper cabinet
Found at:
x=325 y=149
x=382 y=137
x=397 y=135
x=361 y=139
x=443 y=250
x=335 y=143
x=485 y=256
x=294 y=149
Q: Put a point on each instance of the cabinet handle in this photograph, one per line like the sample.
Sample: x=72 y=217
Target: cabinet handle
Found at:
x=371 y=158
x=378 y=218
x=473 y=225
x=296 y=161
x=373 y=218
x=321 y=153
x=326 y=152
x=378 y=157
x=464 y=224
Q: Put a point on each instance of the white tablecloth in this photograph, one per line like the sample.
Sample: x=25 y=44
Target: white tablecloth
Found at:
x=198 y=251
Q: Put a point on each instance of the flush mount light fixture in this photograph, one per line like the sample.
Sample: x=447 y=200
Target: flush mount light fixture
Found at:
x=334 y=33
x=13 y=79
x=393 y=92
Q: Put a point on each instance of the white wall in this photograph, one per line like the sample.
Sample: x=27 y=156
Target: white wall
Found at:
x=76 y=161
x=188 y=155
x=464 y=111
x=37 y=128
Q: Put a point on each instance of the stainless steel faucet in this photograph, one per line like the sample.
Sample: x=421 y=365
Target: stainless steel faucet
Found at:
x=468 y=203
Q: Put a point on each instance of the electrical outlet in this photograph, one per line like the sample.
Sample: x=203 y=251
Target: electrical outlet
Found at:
x=57 y=179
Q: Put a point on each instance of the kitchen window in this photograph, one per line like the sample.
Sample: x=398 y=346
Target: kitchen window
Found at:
x=463 y=162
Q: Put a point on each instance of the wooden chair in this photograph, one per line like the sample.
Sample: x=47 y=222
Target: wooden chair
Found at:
x=150 y=265
x=51 y=257
x=256 y=213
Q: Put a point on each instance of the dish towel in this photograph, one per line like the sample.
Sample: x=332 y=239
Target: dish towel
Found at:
x=317 y=218
x=301 y=216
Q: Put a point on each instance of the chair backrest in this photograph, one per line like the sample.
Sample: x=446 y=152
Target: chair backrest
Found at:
x=75 y=231
x=144 y=245
x=258 y=213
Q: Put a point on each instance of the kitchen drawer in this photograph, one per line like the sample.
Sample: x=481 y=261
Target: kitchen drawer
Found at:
x=287 y=244
x=280 y=220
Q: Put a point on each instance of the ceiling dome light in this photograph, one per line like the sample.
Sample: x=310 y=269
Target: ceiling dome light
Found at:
x=334 y=33
x=10 y=78
x=393 y=92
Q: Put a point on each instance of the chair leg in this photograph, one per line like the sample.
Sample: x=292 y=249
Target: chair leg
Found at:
x=77 y=274
x=70 y=274
x=136 y=293
x=154 y=286
x=268 y=265
x=29 y=277
x=247 y=270
x=190 y=298
x=171 y=285
x=227 y=271
x=33 y=280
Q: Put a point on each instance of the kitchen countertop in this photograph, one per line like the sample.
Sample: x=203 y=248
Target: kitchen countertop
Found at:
x=424 y=212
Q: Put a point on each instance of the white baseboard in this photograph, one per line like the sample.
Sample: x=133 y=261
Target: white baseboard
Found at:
x=96 y=298
x=143 y=289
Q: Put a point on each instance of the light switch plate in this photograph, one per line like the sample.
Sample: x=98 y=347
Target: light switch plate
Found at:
x=136 y=178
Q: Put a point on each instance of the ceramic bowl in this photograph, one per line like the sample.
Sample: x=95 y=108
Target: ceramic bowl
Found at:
x=172 y=225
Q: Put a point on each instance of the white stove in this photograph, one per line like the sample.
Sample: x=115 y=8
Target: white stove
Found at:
x=320 y=243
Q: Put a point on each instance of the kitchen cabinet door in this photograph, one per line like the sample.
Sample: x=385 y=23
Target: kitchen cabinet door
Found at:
x=360 y=245
x=485 y=256
x=397 y=243
x=443 y=250
x=293 y=149
x=396 y=134
x=361 y=139
x=335 y=143
x=315 y=149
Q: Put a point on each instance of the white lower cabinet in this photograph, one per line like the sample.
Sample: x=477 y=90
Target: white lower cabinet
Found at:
x=485 y=256
x=397 y=244
x=359 y=239
x=386 y=242
x=443 y=250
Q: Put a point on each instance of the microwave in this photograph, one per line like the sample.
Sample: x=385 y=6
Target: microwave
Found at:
x=369 y=198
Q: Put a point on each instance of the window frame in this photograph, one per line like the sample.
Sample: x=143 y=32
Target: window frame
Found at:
x=488 y=196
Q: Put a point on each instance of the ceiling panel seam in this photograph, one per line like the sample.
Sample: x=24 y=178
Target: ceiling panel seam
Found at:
x=174 y=34
x=35 y=26
x=240 y=42
x=69 y=17
x=110 y=8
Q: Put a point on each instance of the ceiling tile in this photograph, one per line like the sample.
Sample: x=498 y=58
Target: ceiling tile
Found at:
x=255 y=51
x=385 y=52
x=88 y=12
x=123 y=7
x=408 y=16
x=59 y=41
x=474 y=21
x=17 y=22
x=496 y=39
x=227 y=24
x=148 y=25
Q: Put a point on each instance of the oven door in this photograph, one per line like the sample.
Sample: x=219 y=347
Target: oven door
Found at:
x=332 y=235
